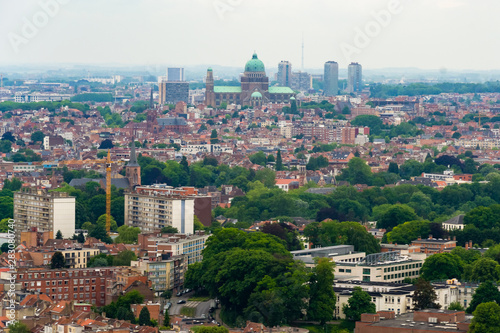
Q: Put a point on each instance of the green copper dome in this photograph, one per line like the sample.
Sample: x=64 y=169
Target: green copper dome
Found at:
x=254 y=65
x=256 y=94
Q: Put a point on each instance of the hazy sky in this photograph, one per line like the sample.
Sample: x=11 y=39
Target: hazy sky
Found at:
x=434 y=34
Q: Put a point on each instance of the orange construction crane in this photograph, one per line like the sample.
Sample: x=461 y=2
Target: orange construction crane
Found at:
x=108 y=192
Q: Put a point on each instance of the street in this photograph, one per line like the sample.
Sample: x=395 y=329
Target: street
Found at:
x=201 y=307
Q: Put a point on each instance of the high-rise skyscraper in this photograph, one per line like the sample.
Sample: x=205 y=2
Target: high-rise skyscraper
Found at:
x=331 y=79
x=285 y=74
x=354 y=77
x=175 y=74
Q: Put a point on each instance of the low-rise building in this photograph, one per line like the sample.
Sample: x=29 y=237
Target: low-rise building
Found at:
x=424 y=321
x=432 y=245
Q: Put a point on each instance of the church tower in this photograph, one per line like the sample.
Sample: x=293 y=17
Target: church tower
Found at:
x=209 y=91
x=133 y=169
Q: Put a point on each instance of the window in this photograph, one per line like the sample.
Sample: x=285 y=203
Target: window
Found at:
x=366 y=271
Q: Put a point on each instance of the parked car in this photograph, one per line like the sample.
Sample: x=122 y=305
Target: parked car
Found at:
x=181 y=301
x=178 y=294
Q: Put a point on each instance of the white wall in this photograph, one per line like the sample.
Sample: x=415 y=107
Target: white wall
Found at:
x=64 y=216
x=188 y=227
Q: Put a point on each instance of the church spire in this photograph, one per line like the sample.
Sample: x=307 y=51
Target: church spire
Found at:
x=133 y=158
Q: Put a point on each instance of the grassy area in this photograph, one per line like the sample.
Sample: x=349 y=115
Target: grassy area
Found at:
x=199 y=299
x=344 y=326
x=188 y=311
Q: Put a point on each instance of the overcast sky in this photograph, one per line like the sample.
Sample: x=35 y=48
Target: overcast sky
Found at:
x=429 y=34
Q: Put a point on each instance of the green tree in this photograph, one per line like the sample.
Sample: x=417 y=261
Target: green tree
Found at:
x=213 y=137
x=485 y=269
x=106 y=144
x=37 y=136
x=456 y=306
x=279 y=161
x=127 y=235
x=102 y=222
x=486 y=318
x=5 y=146
x=396 y=215
x=424 y=296
x=407 y=232
x=5 y=247
x=482 y=217
x=59 y=234
x=166 y=319
x=169 y=230
x=442 y=266
x=144 y=317
x=360 y=302
x=321 y=296
x=393 y=168
x=258 y=158
x=57 y=261
x=14 y=185
x=266 y=176
x=357 y=172
x=80 y=238
x=124 y=258
x=212 y=329
x=4 y=224
x=197 y=224
x=99 y=262
x=18 y=327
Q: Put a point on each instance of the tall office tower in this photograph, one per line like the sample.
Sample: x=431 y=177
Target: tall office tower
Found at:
x=175 y=74
x=331 y=79
x=40 y=210
x=285 y=74
x=354 y=77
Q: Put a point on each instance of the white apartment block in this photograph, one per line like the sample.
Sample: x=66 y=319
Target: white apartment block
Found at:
x=45 y=211
x=381 y=267
x=153 y=212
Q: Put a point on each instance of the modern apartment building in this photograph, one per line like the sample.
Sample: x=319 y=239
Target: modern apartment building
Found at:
x=40 y=210
x=174 y=245
x=164 y=274
x=331 y=79
x=152 y=212
x=354 y=78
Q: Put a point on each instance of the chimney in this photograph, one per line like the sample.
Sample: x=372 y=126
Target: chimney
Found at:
x=430 y=236
x=467 y=245
x=419 y=238
x=454 y=238
x=470 y=244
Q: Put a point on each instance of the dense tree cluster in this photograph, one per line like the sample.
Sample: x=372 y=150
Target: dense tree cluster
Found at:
x=200 y=174
x=121 y=308
x=272 y=288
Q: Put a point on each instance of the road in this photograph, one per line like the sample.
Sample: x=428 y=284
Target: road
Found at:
x=201 y=307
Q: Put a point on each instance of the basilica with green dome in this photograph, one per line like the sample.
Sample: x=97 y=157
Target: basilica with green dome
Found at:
x=254 y=90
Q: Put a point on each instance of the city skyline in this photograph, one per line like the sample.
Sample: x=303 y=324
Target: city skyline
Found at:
x=379 y=34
